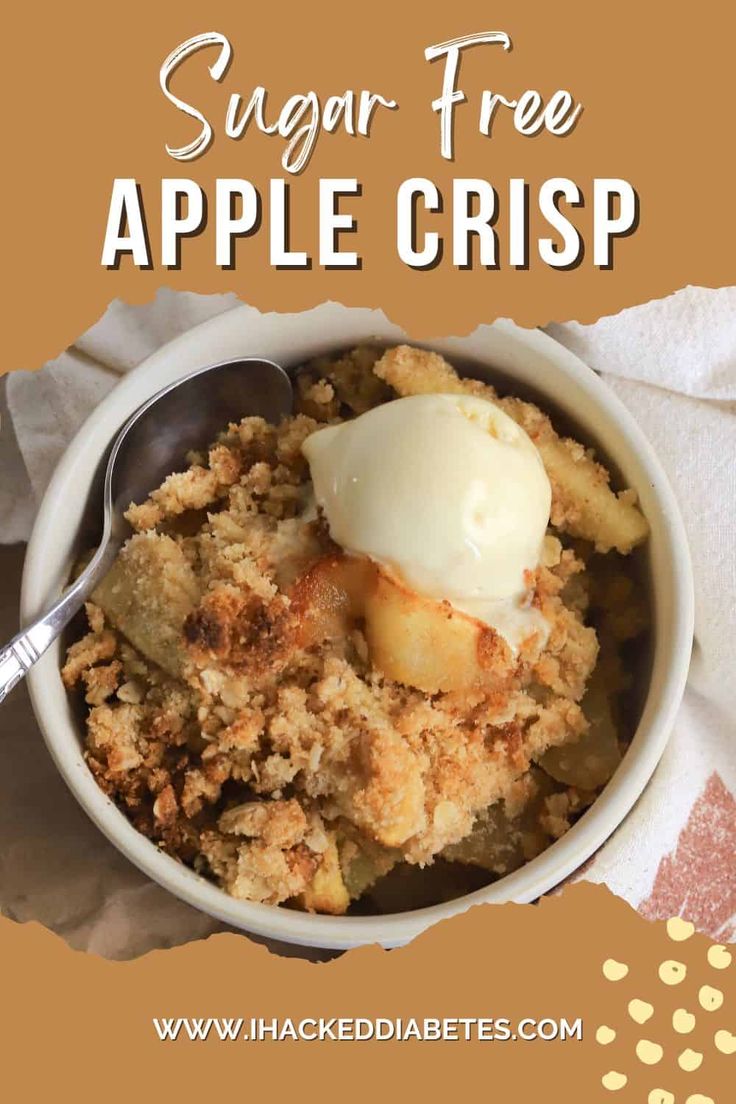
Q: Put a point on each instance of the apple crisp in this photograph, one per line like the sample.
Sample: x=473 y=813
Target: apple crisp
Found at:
x=298 y=725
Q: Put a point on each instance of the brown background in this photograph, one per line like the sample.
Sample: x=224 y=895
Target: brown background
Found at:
x=83 y=1024
x=81 y=106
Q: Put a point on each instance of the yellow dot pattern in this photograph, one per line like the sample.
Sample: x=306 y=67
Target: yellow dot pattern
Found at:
x=679 y=930
x=613 y=970
x=613 y=1080
x=648 y=1052
x=719 y=957
x=690 y=1060
x=683 y=1021
x=725 y=1042
x=640 y=1011
x=710 y=999
x=672 y=972
x=651 y=1051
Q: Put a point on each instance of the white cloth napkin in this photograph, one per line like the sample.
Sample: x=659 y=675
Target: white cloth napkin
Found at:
x=673 y=362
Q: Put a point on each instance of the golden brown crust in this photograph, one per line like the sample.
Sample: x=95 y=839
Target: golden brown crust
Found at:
x=101 y=682
x=236 y=630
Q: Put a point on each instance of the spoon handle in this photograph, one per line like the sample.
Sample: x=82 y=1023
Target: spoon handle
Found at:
x=17 y=657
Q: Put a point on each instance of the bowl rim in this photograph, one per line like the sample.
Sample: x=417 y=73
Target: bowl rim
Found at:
x=536 y=877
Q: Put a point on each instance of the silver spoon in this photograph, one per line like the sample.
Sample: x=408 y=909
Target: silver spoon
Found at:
x=188 y=414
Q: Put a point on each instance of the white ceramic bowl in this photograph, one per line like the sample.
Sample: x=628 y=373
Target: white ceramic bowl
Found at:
x=529 y=360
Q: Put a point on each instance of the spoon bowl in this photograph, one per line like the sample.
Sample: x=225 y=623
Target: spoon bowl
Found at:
x=186 y=415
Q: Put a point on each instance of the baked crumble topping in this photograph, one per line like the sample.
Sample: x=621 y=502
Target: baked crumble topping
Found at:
x=257 y=706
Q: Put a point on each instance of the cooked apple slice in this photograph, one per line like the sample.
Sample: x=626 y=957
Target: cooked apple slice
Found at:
x=589 y=762
x=411 y=639
x=326 y=892
x=329 y=598
x=429 y=644
x=501 y=843
x=362 y=860
x=147 y=596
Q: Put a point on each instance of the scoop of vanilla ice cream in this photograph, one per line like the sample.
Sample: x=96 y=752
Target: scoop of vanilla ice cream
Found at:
x=446 y=490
